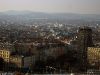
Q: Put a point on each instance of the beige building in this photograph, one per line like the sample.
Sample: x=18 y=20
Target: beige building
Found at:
x=93 y=55
x=5 y=54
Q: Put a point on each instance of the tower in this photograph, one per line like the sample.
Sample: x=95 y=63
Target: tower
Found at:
x=84 y=40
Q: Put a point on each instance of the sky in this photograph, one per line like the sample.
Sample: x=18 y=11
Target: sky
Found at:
x=53 y=6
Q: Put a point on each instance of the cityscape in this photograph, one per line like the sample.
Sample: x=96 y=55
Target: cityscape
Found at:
x=49 y=43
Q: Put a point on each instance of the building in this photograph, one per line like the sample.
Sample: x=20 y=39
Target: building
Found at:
x=84 y=40
x=53 y=50
x=94 y=56
x=16 y=61
x=19 y=61
x=5 y=54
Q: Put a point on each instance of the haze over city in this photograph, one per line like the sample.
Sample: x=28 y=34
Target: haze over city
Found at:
x=49 y=37
x=52 y=6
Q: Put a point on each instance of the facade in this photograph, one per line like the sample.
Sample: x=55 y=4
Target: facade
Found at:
x=84 y=40
x=94 y=56
x=55 y=51
x=17 y=61
x=21 y=61
x=5 y=54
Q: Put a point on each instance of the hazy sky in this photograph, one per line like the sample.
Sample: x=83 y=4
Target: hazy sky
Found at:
x=69 y=6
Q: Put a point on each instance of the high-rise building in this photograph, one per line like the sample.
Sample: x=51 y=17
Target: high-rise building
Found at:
x=84 y=39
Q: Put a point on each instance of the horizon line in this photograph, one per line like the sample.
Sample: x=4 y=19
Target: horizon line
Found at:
x=49 y=12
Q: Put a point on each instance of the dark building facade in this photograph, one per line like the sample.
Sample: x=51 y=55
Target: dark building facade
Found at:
x=84 y=40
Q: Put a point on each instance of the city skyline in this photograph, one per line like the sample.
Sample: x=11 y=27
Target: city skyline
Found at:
x=52 y=6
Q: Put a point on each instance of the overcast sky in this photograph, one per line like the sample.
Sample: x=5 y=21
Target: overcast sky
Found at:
x=65 y=6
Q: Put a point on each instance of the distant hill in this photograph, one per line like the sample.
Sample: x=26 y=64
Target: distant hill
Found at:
x=30 y=17
x=51 y=15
